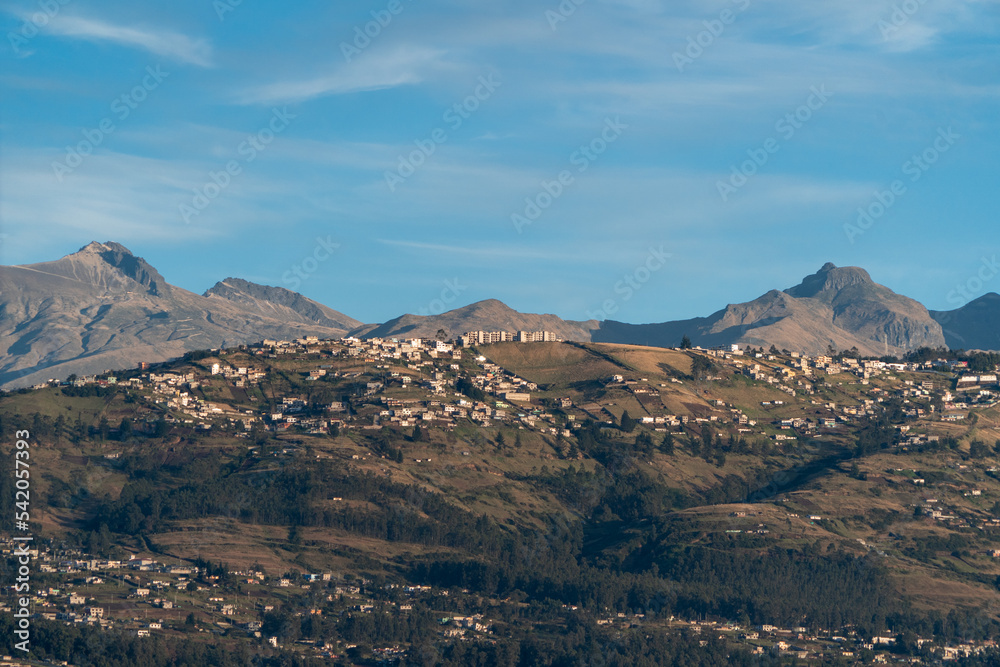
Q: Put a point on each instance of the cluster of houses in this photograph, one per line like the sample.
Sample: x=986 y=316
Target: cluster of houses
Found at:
x=436 y=372
x=108 y=593
x=470 y=338
x=173 y=391
x=978 y=388
x=804 y=643
x=63 y=603
x=802 y=369
x=798 y=374
x=459 y=626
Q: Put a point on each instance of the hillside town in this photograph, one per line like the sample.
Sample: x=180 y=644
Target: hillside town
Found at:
x=145 y=596
x=404 y=383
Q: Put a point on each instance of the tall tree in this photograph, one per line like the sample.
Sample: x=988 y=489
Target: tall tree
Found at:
x=667 y=445
x=125 y=429
x=104 y=428
x=628 y=424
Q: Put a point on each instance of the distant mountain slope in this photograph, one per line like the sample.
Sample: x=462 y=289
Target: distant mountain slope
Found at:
x=279 y=303
x=488 y=315
x=974 y=326
x=104 y=308
x=842 y=307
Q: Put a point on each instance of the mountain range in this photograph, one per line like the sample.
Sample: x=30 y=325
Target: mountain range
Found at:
x=838 y=307
x=103 y=307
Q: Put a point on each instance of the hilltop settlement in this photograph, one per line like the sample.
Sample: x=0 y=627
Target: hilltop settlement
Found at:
x=269 y=495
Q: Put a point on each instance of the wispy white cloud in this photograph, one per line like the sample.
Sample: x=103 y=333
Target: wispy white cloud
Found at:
x=873 y=24
x=163 y=43
x=910 y=37
x=485 y=251
x=372 y=71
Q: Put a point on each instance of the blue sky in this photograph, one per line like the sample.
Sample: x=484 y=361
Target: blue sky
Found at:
x=399 y=171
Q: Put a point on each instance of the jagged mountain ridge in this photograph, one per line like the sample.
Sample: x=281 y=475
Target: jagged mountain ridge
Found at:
x=279 y=303
x=102 y=307
x=838 y=307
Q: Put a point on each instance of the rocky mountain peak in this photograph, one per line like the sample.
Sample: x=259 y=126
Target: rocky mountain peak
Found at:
x=92 y=248
x=109 y=266
x=133 y=267
x=830 y=279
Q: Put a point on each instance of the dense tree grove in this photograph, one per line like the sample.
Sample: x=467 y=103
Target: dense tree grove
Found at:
x=585 y=563
x=978 y=361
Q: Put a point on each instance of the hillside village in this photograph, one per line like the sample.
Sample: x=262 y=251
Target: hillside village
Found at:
x=143 y=596
x=312 y=388
x=433 y=369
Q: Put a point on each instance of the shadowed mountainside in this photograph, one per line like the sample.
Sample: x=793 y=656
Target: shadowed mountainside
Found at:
x=974 y=326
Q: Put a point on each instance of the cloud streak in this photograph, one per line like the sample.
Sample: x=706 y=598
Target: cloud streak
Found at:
x=165 y=43
x=490 y=251
x=375 y=72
